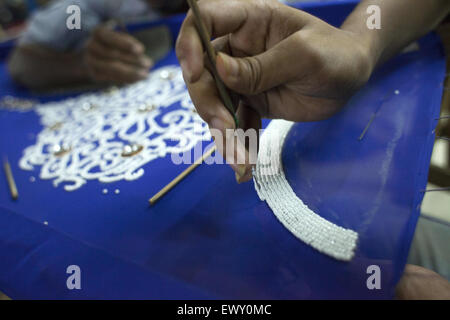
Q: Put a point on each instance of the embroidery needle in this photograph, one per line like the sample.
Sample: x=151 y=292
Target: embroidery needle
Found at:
x=10 y=179
x=211 y=53
x=367 y=127
x=181 y=176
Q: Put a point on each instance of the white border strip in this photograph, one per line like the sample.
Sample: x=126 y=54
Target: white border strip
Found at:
x=272 y=187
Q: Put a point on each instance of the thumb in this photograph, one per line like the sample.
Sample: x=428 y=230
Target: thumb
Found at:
x=251 y=75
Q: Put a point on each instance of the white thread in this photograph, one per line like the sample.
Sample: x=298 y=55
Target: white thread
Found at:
x=96 y=127
x=272 y=187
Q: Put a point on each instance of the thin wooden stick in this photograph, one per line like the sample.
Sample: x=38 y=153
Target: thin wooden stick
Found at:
x=211 y=53
x=10 y=179
x=180 y=177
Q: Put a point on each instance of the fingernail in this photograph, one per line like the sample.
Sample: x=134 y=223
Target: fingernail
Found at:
x=242 y=174
x=239 y=173
x=137 y=48
x=146 y=62
x=231 y=65
x=238 y=177
x=218 y=124
x=186 y=72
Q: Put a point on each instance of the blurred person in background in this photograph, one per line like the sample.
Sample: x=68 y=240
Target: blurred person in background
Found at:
x=50 y=55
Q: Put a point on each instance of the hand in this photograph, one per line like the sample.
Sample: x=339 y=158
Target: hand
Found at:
x=418 y=283
x=115 y=57
x=283 y=62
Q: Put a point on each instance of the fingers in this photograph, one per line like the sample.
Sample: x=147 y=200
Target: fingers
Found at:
x=114 y=57
x=118 y=40
x=220 y=18
x=248 y=138
x=238 y=147
x=255 y=74
x=260 y=70
x=207 y=101
x=221 y=44
x=418 y=283
x=114 y=71
x=105 y=53
x=232 y=23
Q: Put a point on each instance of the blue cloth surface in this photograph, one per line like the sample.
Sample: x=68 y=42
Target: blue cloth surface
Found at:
x=211 y=238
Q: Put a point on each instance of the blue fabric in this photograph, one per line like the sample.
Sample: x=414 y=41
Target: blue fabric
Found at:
x=373 y=186
x=212 y=238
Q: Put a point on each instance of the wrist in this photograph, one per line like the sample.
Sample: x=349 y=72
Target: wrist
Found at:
x=366 y=45
x=367 y=39
x=363 y=60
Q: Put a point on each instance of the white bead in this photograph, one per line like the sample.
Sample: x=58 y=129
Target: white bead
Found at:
x=166 y=75
x=273 y=187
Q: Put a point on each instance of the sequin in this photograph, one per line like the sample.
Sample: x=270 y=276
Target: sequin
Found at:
x=146 y=107
x=61 y=149
x=166 y=75
x=87 y=106
x=131 y=150
x=56 y=126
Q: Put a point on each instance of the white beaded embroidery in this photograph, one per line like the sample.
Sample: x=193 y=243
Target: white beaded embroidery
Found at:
x=87 y=137
x=272 y=187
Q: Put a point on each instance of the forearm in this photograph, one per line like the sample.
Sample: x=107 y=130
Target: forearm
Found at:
x=40 y=68
x=402 y=21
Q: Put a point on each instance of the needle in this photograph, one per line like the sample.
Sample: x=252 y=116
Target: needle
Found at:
x=211 y=53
